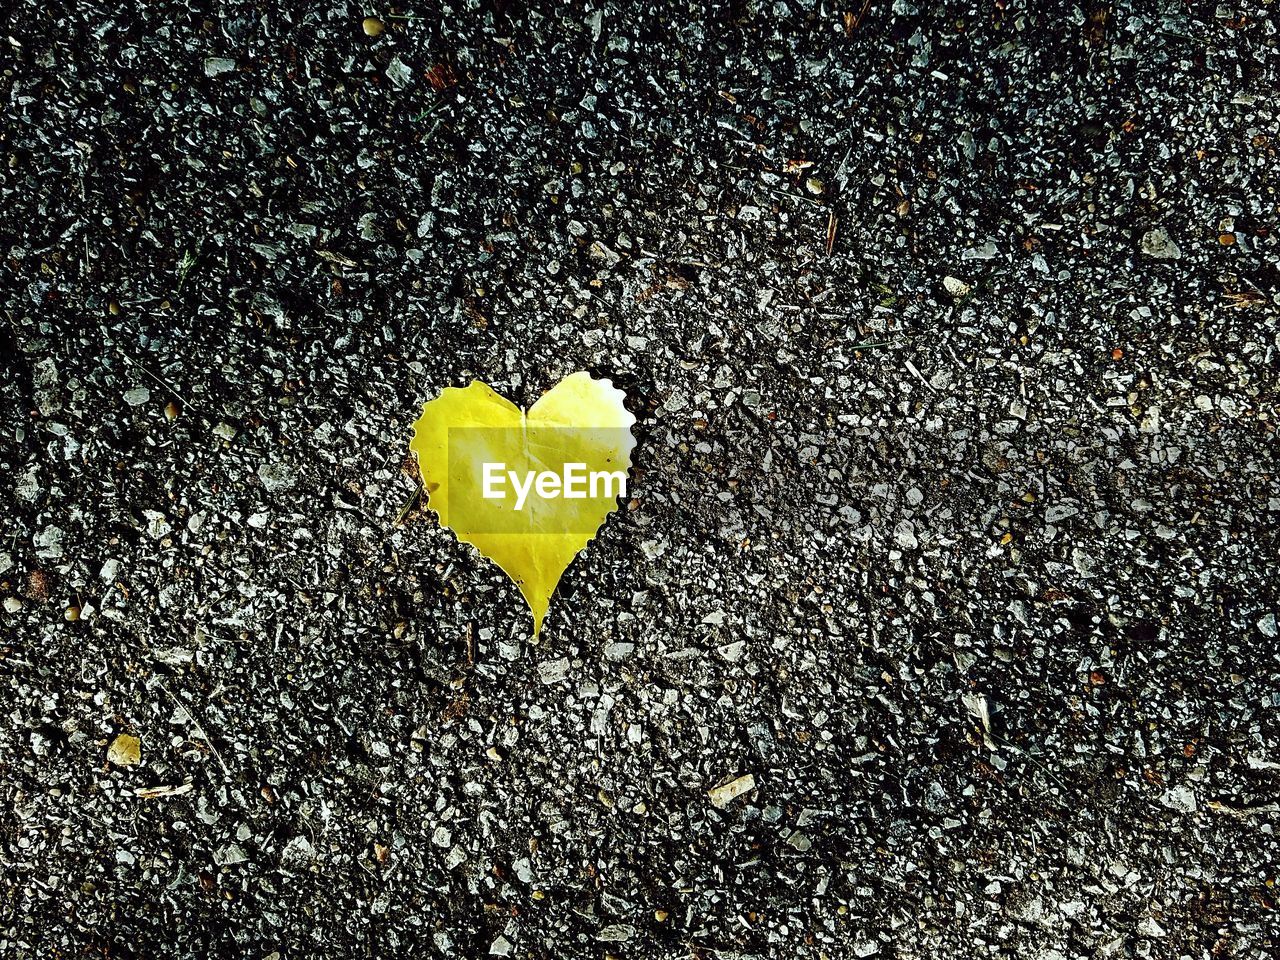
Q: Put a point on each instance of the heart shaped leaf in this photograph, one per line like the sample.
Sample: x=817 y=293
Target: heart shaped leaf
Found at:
x=528 y=489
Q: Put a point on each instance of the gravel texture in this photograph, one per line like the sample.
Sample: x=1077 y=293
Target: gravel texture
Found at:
x=943 y=622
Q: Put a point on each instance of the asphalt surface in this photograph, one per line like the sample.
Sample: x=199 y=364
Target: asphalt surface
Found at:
x=951 y=330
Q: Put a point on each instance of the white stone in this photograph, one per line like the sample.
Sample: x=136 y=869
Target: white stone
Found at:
x=1158 y=244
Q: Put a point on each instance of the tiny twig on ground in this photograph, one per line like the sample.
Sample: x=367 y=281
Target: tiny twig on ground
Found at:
x=920 y=376
x=163 y=383
x=199 y=729
x=409 y=505
x=796 y=196
x=427 y=111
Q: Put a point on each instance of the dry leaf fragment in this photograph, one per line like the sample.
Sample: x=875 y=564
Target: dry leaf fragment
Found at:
x=479 y=455
x=976 y=704
x=441 y=76
x=1217 y=806
x=125 y=750
x=151 y=793
x=726 y=793
x=337 y=258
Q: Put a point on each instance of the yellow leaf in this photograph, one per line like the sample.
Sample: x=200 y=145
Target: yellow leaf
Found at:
x=125 y=750
x=484 y=462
